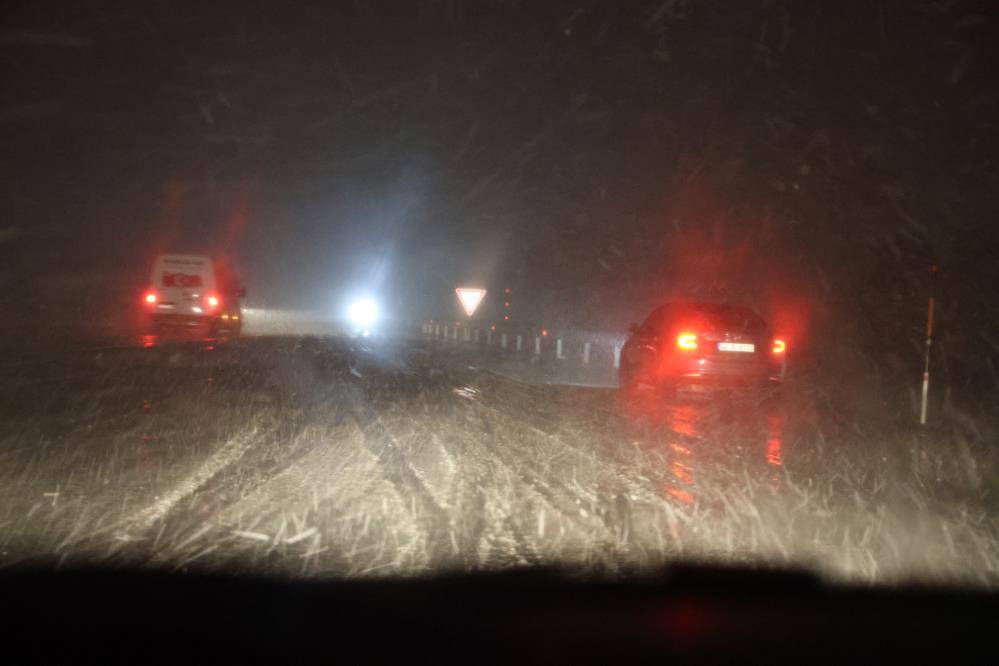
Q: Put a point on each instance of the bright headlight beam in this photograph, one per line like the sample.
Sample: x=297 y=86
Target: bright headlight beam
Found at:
x=363 y=312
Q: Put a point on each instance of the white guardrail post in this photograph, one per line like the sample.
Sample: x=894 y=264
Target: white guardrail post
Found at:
x=503 y=340
x=520 y=342
x=617 y=356
x=586 y=353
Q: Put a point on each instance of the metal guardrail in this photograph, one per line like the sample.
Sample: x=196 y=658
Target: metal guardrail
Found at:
x=588 y=348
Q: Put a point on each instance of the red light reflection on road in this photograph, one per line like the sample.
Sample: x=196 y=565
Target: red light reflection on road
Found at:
x=775 y=434
x=775 y=458
x=680 y=494
x=683 y=419
x=773 y=452
x=680 y=448
x=681 y=472
x=148 y=341
x=707 y=434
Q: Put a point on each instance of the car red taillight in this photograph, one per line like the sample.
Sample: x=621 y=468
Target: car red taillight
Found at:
x=213 y=302
x=150 y=298
x=778 y=347
x=686 y=341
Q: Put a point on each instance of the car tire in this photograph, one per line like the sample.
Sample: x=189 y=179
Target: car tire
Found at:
x=626 y=379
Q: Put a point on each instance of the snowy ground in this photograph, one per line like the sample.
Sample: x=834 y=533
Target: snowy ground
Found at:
x=320 y=457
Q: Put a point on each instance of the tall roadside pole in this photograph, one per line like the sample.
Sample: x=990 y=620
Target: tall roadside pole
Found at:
x=929 y=343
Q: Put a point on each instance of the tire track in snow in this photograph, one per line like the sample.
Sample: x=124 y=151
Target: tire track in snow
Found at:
x=227 y=455
x=393 y=459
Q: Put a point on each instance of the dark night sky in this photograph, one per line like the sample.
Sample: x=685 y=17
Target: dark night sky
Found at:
x=598 y=156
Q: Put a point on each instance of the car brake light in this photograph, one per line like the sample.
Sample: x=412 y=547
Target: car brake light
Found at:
x=213 y=301
x=686 y=341
x=778 y=347
x=150 y=298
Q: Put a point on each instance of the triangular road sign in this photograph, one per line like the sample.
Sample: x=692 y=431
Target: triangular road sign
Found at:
x=470 y=298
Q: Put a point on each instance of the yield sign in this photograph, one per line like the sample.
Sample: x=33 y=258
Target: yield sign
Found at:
x=470 y=298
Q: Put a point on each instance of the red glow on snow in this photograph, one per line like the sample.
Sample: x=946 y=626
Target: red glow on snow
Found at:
x=680 y=494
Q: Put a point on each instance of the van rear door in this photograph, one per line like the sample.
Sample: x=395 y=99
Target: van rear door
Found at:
x=183 y=284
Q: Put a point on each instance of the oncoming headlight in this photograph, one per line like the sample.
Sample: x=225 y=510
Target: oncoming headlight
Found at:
x=363 y=313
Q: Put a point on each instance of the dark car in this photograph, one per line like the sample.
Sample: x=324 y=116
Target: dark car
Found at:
x=702 y=346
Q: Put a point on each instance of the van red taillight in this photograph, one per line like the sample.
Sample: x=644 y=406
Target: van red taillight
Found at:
x=686 y=341
x=213 y=301
x=150 y=298
x=779 y=347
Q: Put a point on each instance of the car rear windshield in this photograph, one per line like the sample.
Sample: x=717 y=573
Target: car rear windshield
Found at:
x=722 y=317
x=732 y=318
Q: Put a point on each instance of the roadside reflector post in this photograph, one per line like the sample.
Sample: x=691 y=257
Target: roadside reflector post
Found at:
x=558 y=349
x=929 y=343
x=489 y=337
x=437 y=330
x=617 y=356
x=503 y=340
x=455 y=333
x=476 y=336
x=520 y=342
x=586 y=353
x=445 y=331
x=466 y=334
x=537 y=346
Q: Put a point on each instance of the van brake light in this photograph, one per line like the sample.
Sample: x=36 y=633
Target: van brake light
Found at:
x=150 y=298
x=778 y=347
x=213 y=301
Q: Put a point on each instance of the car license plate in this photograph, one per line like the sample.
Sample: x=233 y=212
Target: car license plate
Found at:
x=736 y=347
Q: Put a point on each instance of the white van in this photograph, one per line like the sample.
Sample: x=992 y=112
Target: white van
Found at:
x=190 y=291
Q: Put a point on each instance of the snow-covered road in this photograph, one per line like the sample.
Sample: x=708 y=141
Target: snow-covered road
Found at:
x=322 y=457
